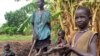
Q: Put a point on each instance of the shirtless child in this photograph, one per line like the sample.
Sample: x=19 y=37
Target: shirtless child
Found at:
x=7 y=51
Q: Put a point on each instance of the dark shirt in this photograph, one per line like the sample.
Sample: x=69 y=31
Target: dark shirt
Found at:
x=8 y=53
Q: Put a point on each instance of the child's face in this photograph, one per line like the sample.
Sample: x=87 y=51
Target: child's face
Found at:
x=60 y=35
x=81 y=18
x=40 y=3
x=6 y=48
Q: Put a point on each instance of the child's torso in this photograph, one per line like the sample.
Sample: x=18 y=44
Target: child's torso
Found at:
x=81 y=41
x=79 y=34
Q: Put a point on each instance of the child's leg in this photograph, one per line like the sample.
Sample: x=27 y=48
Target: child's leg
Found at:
x=45 y=49
x=39 y=51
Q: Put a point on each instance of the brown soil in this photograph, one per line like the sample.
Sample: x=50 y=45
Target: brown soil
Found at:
x=21 y=48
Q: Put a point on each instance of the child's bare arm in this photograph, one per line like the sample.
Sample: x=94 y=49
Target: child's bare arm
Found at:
x=54 y=49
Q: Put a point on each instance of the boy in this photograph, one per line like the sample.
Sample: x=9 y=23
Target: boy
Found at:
x=7 y=51
x=41 y=27
x=83 y=41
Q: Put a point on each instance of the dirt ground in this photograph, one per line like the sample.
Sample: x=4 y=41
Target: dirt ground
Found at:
x=21 y=48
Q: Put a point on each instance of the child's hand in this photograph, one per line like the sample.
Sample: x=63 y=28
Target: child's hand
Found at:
x=60 y=45
x=37 y=54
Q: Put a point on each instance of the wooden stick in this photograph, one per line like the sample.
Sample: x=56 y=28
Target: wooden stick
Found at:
x=32 y=48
